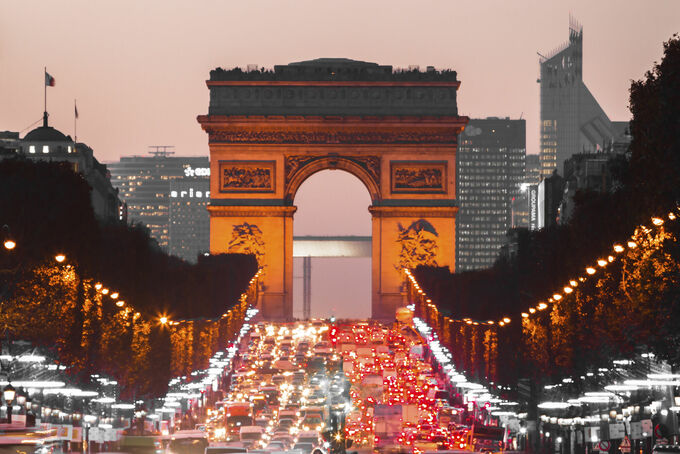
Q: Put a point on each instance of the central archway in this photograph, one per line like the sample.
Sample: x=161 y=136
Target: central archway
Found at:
x=332 y=211
x=366 y=170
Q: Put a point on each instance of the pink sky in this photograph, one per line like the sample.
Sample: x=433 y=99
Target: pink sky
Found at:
x=138 y=71
x=138 y=68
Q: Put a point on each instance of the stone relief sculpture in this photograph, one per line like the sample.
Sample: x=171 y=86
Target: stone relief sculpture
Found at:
x=246 y=176
x=418 y=245
x=247 y=239
x=397 y=137
x=430 y=178
x=419 y=176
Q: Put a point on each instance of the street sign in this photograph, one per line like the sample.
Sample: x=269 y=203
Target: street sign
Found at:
x=647 y=427
x=617 y=431
x=636 y=430
x=593 y=435
x=625 y=445
x=604 y=445
x=657 y=431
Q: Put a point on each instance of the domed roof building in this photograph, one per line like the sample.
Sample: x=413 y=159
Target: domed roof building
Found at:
x=46 y=143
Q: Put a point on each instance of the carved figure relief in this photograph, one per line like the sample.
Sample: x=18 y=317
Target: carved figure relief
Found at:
x=296 y=162
x=247 y=239
x=247 y=176
x=418 y=245
x=419 y=176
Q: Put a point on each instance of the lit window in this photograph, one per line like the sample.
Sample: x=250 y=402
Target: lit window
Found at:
x=31 y=149
x=46 y=149
x=69 y=148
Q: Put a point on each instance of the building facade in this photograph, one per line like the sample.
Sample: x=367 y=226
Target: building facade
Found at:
x=572 y=121
x=489 y=174
x=144 y=183
x=189 y=221
x=550 y=192
x=45 y=143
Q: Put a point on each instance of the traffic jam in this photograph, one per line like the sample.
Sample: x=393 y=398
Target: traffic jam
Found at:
x=327 y=386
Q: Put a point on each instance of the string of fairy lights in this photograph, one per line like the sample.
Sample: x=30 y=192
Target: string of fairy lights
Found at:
x=591 y=272
x=162 y=319
x=106 y=291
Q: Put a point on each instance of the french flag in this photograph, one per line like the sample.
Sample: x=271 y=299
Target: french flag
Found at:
x=49 y=80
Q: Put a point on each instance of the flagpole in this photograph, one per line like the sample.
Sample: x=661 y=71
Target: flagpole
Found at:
x=45 y=86
x=75 y=121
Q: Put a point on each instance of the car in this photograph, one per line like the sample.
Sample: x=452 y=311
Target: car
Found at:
x=249 y=435
x=188 y=442
x=276 y=446
x=287 y=440
x=305 y=448
x=225 y=449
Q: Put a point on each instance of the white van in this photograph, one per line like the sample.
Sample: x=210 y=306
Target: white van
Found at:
x=250 y=435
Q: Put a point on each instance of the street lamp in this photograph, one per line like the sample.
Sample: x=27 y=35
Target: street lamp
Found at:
x=8 y=241
x=8 y=394
x=60 y=258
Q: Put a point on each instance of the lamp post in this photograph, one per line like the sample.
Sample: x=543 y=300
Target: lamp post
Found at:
x=7 y=239
x=8 y=394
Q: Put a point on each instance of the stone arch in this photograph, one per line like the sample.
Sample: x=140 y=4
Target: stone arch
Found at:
x=367 y=174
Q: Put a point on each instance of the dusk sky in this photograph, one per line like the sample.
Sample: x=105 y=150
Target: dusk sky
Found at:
x=138 y=68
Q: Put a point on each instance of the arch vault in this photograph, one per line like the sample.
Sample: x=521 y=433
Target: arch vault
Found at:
x=396 y=131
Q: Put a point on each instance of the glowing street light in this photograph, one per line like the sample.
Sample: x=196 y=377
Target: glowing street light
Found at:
x=9 y=242
x=114 y=295
x=163 y=320
x=120 y=303
x=8 y=394
x=590 y=270
x=60 y=258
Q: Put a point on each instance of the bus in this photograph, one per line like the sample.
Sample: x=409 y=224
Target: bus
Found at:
x=485 y=439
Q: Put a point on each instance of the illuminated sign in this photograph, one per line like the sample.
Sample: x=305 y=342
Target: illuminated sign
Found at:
x=533 y=207
x=197 y=172
x=190 y=193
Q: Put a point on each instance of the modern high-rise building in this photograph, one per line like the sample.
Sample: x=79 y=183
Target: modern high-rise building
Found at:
x=572 y=121
x=489 y=173
x=144 y=184
x=189 y=220
x=532 y=169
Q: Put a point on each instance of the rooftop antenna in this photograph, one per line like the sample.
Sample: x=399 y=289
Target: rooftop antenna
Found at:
x=161 y=151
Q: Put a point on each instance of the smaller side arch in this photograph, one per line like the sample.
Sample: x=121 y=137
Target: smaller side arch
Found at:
x=294 y=181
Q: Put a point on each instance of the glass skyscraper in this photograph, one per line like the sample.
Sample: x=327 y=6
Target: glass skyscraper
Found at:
x=572 y=121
